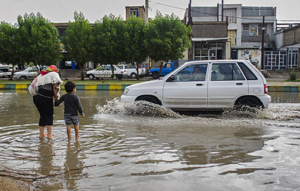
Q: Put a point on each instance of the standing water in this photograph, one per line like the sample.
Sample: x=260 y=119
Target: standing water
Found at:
x=147 y=147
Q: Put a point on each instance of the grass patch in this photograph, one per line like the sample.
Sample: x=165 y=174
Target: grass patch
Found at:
x=289 y=80
x=88 y=82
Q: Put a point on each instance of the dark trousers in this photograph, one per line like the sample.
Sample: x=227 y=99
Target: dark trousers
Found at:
x=45 y=107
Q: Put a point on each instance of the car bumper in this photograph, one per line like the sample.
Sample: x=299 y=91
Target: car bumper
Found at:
x=266 y=100
x=128 y=99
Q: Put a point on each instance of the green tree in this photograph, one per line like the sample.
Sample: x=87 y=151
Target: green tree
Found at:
x=78 y=41
x=109 y=41
x=10 y=50
x=39 y=40
x=167 y=38
x=135 y=41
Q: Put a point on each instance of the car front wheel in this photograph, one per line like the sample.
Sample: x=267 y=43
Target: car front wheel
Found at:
x=150 y=99
x=23 y=78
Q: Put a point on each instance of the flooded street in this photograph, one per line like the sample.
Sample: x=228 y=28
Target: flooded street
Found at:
x=132 y=147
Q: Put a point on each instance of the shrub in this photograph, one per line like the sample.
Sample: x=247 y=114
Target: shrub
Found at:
x=293 y=76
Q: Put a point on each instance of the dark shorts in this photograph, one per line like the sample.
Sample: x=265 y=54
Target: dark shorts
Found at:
x=69 y=119
x=45 y=108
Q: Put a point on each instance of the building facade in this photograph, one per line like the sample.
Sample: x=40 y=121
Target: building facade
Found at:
x=244 y=30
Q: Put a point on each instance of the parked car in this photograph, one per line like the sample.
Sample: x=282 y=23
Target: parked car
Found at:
x=166 y=69
x=28 y=73
x=132 y=70
x=105 y=71
x=5 y=71
x=69 y=64
x=220 y=84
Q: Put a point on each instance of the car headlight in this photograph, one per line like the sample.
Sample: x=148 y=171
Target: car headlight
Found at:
x=125 y=91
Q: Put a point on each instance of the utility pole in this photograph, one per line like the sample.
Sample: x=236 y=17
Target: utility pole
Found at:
x=190 y=14
x=222 y=10
x=190 y=23
x=262 y=45
x=146 y=10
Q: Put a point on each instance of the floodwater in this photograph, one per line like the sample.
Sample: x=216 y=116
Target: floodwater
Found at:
x=141 y=147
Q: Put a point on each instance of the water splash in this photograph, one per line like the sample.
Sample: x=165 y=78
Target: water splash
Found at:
x=139 y=108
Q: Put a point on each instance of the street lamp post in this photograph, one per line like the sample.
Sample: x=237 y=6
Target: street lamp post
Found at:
x=262 y=45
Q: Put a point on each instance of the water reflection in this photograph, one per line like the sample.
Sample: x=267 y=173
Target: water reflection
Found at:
x=73 y=164
x=161 y=151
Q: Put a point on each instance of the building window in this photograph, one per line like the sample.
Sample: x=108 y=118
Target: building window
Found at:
x=134 y=11
x=208 y=50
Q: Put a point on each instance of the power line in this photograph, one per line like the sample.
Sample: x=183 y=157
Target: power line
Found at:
x=236 y=17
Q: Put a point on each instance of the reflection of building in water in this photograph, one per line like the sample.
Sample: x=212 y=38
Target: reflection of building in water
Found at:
x=73 y=162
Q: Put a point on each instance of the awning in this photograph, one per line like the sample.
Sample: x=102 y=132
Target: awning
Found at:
x=209 y=39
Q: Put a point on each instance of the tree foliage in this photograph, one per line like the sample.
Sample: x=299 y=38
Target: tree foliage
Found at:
x=167 y=38
x=109 y=41
x=78 y=40
x=135 y=41
x=10 y=45
x=39 y=42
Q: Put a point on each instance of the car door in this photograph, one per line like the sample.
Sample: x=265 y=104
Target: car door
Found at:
x=226 y=84
x=180 y=91
x=32 y=73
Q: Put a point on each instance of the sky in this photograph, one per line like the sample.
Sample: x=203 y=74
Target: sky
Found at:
x=59 y=11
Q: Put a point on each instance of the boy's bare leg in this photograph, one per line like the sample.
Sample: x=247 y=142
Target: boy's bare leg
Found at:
x=42 y=131
x=76 y=128
x=69 y=131
x=49 y=132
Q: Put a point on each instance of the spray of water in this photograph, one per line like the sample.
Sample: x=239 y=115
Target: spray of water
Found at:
x=139 y=108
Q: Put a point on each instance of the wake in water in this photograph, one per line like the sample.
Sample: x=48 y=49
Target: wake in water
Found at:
x=139 y=108
x=276 y=113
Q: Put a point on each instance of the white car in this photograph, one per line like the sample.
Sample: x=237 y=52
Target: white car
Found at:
x=5 y=71
x=132 y=70
x=105 y=71
x=220 y=84
x=29 y=73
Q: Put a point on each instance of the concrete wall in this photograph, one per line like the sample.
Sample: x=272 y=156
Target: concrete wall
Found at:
x=209 y=30
x=292 y=36
x=279 y=39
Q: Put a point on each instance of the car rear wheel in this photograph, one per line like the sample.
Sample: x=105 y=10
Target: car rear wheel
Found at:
x=155 y=75
x=91 y=77
x=150 y=99
x=133 y=75
x=248 y=101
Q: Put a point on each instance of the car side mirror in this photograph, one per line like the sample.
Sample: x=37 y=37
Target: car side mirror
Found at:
x=171 y=79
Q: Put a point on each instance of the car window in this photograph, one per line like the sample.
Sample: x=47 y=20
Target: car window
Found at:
x=226 y=72
x=195 y=72
x=167 y=66
x=248 y=73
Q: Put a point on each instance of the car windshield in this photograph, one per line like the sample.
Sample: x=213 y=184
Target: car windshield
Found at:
x=171 y=73
x=116 y=67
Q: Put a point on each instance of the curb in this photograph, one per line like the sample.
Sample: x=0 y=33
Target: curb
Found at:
x=123 y=86
x=78 y=86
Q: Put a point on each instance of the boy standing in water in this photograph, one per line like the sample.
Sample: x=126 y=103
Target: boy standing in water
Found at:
x=72 y=105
